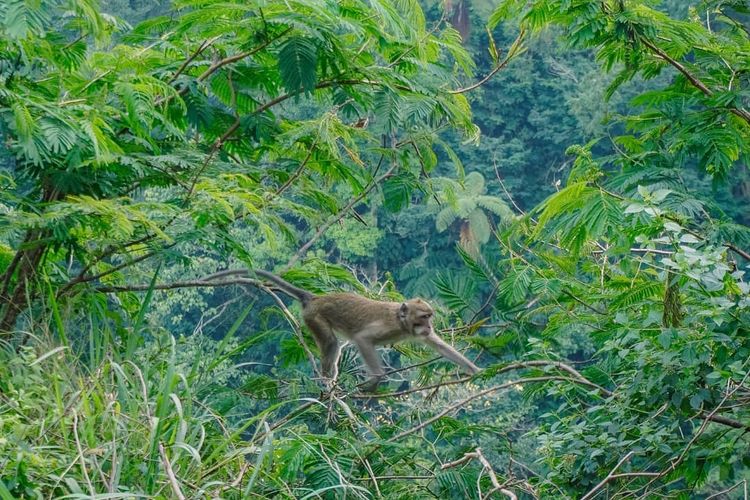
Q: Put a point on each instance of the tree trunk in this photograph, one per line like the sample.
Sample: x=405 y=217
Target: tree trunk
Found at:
x=14 y=294
x=13 y=297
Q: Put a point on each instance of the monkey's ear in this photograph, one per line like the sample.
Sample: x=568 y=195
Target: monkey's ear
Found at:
x=402 y=311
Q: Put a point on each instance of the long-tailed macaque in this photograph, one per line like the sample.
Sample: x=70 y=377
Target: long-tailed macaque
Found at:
x=367 y=323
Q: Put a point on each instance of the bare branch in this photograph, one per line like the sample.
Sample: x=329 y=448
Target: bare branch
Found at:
x=410 y=391
x=179 y=284
x=477 y=454
x=724 y=492
x=607 y=479
x=297 y=256
x=203 y=46
x=706 y=419
x=730 y=422
x=555 y=364
x=515 y=49
x=242 y=55
x=295 y=327
x=737 y=250
x=170 y=473
x=454 y=407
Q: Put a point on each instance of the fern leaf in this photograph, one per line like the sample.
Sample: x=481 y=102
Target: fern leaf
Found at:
x=297 y=62
x=454 y=292
x=639 y=293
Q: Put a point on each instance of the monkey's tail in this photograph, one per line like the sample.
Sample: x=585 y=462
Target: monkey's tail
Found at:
x=302 y=295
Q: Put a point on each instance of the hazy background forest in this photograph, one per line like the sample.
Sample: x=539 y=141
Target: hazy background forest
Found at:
x=565 y=181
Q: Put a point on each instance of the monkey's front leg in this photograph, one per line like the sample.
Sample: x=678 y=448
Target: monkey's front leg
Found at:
x=372 y=361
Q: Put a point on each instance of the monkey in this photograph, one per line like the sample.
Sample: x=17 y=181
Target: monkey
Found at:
x=367 y=323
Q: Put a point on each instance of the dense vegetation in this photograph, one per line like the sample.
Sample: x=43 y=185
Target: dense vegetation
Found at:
x=583 y=237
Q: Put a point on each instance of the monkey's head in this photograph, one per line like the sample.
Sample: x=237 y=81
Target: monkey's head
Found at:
x=416 y=316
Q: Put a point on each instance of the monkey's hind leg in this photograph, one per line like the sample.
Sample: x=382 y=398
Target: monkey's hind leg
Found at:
x=372 y=361
x=329 y=348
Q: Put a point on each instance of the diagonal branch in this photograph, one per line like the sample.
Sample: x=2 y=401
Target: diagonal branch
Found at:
x=694 y=80
x=496 y=486
x=612 y=476
x=203 y=46
x=297 y=256
x=516 y=48
x=237 y=57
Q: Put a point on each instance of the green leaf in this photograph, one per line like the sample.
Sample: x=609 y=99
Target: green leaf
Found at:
x=297 y=64
x=397 y=191
x=480 y=225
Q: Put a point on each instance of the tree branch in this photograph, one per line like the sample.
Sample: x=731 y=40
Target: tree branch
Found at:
x=203 y=46
x=609 y=477
x=515 y=49
x=737 y=250
x=236 y=57
x=411 y=391
x=555 y=364
x=297 y=256
x=454 y=407
x=694 y=80
x=477 y=454
x=178 y=284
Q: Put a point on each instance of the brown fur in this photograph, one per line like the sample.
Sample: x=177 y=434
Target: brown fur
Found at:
x=366 y=323
x=361 y=312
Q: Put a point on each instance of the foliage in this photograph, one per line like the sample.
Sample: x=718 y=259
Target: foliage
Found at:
x=249 y=126
x=356 y=239
x=610 y=316
x=467 y=202
x=112 y=429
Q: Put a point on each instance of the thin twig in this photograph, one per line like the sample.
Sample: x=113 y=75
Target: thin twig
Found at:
x=704 y=425
x=477 y=454
x=295 y=326
x=505 y=190
x=237 y=57
x=514 y=50
x=304 y=248
x=396 y=478
x=454 y=407
x=723 y=492
x=609 y=477
x=92 y=492
x=413 y=390
x=203 y=46
x=170 y=473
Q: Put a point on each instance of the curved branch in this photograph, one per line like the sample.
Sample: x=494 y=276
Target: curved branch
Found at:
x=454 y=407
x=515 y=49
x=555 y=364
x=203 y=46
x=410 y=391
x=477 y=453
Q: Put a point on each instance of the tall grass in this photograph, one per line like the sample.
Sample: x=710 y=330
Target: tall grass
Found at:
x=124 y=429
x=96 y=408
x=88 y=410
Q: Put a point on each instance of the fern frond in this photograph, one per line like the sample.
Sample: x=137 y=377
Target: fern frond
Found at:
x=297 y=64
x=639 y=292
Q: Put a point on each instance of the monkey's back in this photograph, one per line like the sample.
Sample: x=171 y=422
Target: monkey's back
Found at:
x=346 y=313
